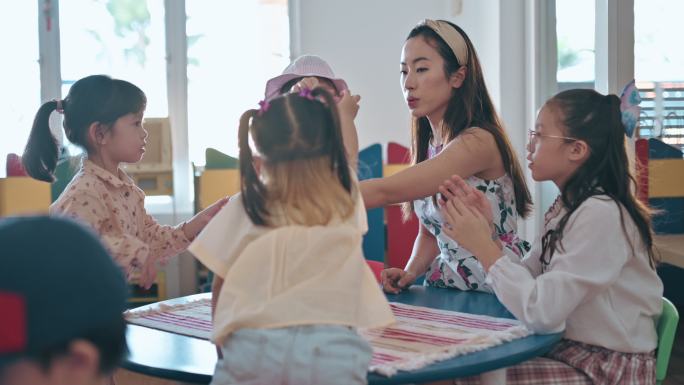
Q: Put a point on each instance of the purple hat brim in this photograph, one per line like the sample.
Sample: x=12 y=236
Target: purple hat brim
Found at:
x=274 y=85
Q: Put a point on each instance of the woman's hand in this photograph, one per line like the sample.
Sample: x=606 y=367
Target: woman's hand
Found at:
x=395 y=280
x=467 y=226
x=348 y=106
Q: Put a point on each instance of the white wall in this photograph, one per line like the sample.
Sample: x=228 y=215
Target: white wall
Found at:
x=362 y=41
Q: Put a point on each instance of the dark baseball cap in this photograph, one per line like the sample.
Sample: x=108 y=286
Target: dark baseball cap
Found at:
x=57 y=283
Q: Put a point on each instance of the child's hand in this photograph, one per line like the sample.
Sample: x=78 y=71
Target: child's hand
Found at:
x=210 y=211
x=470 y=196
x=197 y=223
x=395 y=280
x=467 y=226
x=148 y=274
x=308 y=83
x=348 y=106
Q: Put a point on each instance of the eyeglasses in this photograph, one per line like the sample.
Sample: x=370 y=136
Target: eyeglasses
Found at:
x=533 y=135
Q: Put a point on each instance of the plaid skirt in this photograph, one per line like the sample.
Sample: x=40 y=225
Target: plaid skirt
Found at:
x=575 y=363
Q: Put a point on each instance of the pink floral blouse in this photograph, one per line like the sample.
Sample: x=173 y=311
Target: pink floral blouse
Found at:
x=114 y=207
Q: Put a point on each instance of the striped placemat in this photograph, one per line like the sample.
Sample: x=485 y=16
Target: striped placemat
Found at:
x=423 y=336
x=192 y=318
x=420 y=337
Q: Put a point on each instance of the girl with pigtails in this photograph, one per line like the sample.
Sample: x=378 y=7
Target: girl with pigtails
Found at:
x=291 y=282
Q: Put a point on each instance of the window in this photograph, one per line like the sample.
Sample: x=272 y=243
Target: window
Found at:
x=575 y=20
x=20 y=98
x=658 y=64
x=227 y=72
x=233 y=48
x=121 y=38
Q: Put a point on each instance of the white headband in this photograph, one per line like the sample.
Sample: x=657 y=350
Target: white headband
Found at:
x=451 y=36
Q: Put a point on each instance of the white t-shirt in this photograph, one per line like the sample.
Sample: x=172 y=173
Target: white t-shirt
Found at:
x=596 y=288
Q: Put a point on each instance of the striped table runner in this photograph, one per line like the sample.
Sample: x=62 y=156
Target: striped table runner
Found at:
x=192 y=318
x=420 y=337
x=424 y=335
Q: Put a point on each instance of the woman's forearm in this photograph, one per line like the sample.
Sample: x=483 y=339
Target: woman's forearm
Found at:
x=372 y=194
x=424 y=252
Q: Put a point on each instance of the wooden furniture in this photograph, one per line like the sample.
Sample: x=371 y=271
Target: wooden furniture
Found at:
x=156 y=293
x=670 y=247
x=154 y=173
x=660 y=176
x=22 y=195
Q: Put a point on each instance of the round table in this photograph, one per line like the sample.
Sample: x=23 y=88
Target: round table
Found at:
x=162 y=354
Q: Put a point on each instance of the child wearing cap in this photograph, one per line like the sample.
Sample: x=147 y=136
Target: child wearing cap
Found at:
x=58 y=325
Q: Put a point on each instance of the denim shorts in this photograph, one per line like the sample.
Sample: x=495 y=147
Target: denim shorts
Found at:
x=299 y=355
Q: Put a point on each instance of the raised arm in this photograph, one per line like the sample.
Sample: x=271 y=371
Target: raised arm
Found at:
x=348 y=107
x=471 y=153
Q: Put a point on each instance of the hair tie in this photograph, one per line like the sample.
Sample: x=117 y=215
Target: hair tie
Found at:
x=629 y=107
x=59 y=108
x=264 y=105
x=306 y=93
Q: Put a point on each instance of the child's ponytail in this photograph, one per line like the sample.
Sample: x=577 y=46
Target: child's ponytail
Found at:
x=638 y=211
x=93 y=99
x=41 y=152
x=252 y=189
x=338 y=155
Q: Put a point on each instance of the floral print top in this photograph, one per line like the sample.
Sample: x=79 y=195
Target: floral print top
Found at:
x=113 y=206
x=456 y=267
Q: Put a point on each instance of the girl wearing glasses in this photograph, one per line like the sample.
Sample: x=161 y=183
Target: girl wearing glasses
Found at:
x=592 y=270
